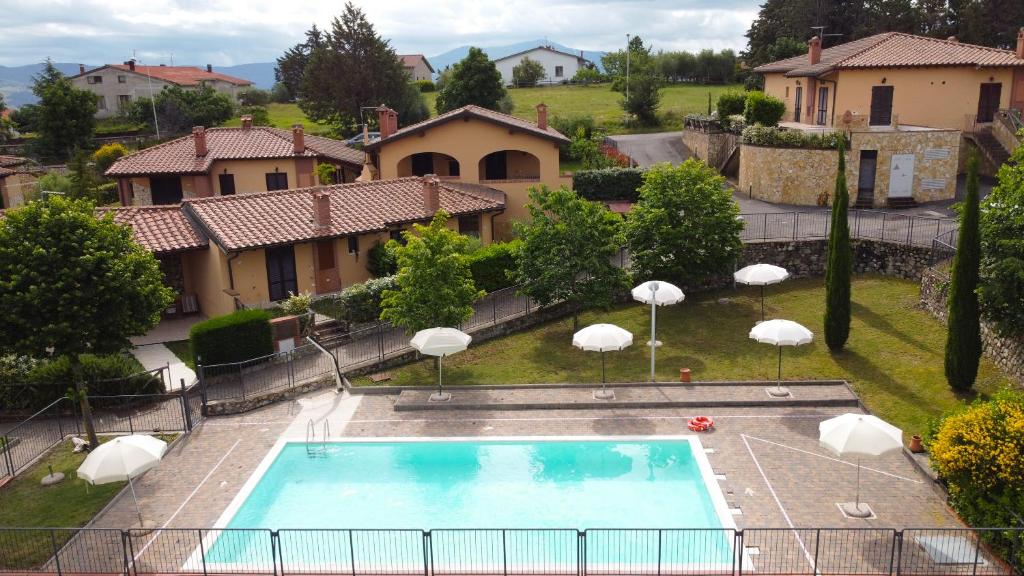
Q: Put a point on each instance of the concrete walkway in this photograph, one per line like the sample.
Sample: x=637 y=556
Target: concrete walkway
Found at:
x=154 y=356
x=648 y=149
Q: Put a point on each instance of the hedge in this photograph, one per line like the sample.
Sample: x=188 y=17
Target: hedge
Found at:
x=782 y=138
x=28 y=385
x=234 y=337
x=731 y=103
x=492 y=264
x=609 y=184
x=763 y=109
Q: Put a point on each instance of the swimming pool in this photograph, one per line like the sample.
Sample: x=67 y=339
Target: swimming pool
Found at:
x=449 y=486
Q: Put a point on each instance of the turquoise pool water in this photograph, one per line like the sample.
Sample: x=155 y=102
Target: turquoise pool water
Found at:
x=498 y=484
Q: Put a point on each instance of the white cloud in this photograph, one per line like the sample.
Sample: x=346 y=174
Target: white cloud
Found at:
x=225 y=32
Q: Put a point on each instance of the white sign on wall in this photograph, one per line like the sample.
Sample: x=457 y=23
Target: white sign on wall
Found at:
x=901 y=176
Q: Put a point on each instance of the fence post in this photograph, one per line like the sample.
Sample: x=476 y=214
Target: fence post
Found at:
x=898 y=546
x=659 y=551
x=74 y=416
x=796 y=226
x=7 y=455
x=241 y=380
x=202 y=386
x=494 y=310
x=764 y=227
x=892 y=553
x=56 y=551
x=428 y=552
x=202 y=550
x=885 y=217
x=275 y=543
x=857 y=223
x=184 y=407
x=504 y=555
x=131 y=425
x=910 y=232
x=380 y=339
x=737 y=553
x=817 y=547
x=977 y=552
x=126 y=548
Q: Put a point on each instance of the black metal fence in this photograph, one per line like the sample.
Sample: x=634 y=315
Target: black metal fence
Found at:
x=517 y=552
x=866 y=224
x=26 y=441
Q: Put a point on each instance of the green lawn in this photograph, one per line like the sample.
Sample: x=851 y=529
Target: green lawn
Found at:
x=285 y=116
x=69 y=504
x=893 y=359
x=181 y=349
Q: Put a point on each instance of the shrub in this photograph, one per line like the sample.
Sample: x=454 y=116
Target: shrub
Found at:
x=28 y=384
x=609 y=184
x=527 y=73
x=977 y=453
x=234 y=337
x=425 y=85
x=782 y=138
x=254 y=97
x=731 y=103
x=357 y=303
x=381 y=260
x=325 y=173
x=571 y=125
x=260 y=116
x=491 y=265
x=1002 y=248
x=763 y=109
x=107 y=154
x=587 y=76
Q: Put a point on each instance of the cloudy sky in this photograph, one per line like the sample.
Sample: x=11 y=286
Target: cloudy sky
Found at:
x=228 y=32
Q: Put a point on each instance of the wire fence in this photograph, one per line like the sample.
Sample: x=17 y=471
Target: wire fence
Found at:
x=515 y=552
x=906 y=229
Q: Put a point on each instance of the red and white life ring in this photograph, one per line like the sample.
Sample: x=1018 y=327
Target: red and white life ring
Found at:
x=701 y=423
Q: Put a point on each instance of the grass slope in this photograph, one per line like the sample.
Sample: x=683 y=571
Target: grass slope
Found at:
x=285 y=116
x=893 y=359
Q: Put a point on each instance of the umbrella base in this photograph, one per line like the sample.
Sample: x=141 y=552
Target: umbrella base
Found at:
x=51 y=479
x=778 y=391
x=856 y=510
x=440 y=397
x=604 y=394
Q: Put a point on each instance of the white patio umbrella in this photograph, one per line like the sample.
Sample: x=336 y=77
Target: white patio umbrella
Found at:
x=781 y=333
x=657 y=293
x=602 y=338
x=760 y=275
x=120 y=459
x=440 y=342
x=859 y=435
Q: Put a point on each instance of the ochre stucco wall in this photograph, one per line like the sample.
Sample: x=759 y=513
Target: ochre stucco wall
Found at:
x=468 y=142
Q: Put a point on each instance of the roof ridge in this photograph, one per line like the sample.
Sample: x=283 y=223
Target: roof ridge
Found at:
x=949 y=42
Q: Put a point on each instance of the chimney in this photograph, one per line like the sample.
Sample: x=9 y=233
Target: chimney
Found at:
x=199 y=137
x=814 y=50
x=431 y=194
x=1020 y=44
x=383 y=121
x=246 y=121
x=321 y=208
x=209 y=68
x=81 y=68
x=392 y=121
x=542 y=116
x=298 y=139
x=131 y=65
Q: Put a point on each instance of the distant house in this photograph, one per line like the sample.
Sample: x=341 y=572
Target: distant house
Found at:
x=17 y=177
x=559 y=66
x=227 y=161
x=417 y=66
x=119 y=84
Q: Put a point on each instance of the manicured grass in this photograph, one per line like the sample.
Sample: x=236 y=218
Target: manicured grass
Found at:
x=181 y=349
x=70 y=504
x=285 y=116
x=893 y=359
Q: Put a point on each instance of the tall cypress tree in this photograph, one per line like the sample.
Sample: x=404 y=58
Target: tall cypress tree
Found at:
x=963 y=343
x=840 y=263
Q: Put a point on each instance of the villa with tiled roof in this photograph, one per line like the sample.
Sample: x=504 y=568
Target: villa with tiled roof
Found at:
x=117 y=85
x=227 y=161
x=477 y=146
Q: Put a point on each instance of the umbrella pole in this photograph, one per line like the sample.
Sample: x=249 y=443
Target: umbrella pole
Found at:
x=602 y=369
x=762 y=302
x=778 y=383
x=654 y=341
x=856 y=501
x=134 y=498
x=440 y=360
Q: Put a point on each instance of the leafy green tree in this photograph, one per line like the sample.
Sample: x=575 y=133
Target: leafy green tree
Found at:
x=474 y=80
x=587 y=75
x=178 y=109
x=840 y=263
x=73 y=284
x=291 y=66
x=67 y=115
x=279 y=93
x=260 y=115
x=372 y=75
x=963 y=341
x=1002 y=248
x=26 y=118
x=105 y=156
x=6 y=125
x=685 y=226
x=51 y=182
x=83 y=177
x=527 y=73
x=567 y=251
x=643 y=95
x=434 y=285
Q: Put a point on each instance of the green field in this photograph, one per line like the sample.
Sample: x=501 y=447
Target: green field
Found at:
x=598 y=101
x=894 y=359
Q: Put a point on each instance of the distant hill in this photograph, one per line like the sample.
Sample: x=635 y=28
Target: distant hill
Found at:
x=16 y=81
x=441 y=61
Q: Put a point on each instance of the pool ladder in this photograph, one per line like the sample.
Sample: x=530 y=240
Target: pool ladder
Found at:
x=311 y=448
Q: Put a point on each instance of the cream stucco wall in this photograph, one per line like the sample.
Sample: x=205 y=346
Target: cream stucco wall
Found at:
x=468 y=142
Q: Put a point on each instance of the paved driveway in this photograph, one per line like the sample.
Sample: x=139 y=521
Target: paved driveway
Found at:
x=649 y=149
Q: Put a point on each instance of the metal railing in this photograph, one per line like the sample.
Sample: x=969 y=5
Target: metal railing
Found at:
x=516 y=552
x=864 y=224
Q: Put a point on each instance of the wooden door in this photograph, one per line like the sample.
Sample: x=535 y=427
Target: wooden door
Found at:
x=798 y=103
x=988 y=101
x=326 y=265
x=281 y=278
x=881 y=106
x=866 y=174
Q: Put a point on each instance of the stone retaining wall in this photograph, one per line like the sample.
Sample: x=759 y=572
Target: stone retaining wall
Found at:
x=711 y=147
x=1006 y=352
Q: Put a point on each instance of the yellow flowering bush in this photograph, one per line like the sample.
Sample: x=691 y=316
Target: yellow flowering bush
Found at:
x=979 y=454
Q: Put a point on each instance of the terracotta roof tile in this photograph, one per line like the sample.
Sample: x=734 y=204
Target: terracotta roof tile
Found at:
x=179 y=156
x=474 y=112
x=160 y=229
x=894 y=49
x=182 y=75
x=286 y=216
